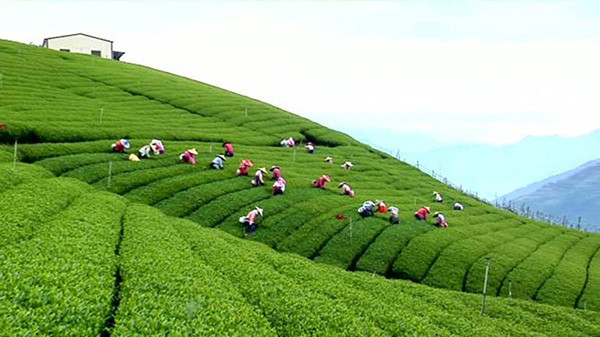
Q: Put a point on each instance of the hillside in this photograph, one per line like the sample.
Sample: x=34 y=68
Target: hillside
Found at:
x=490 y=170
x=572 y=194
x=67 y=109
x=78 y=261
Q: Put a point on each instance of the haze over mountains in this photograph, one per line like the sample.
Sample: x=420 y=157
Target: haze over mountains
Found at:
x=574 y=194
x=493 y=171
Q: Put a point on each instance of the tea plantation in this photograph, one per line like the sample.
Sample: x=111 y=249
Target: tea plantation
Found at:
x=95 y=244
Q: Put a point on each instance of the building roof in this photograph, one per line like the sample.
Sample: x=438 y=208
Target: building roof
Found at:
x=93 y=37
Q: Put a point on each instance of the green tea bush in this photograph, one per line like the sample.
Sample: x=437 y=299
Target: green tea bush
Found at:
x=347 y=246
x=505 y=258
x=167 y=288
x=60 y=280
x=530 y=274
x=186 y=202
x=214 y=212
x=422 y=252
x=590 y=298
x=380 y=255
x=451 y=267
x=21 y=173
x=313 y=235
x=28 y=204
x=569 y=277
x=159 y=190
x=67 y=109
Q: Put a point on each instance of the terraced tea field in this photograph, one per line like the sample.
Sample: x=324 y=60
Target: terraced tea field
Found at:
x=167 y=245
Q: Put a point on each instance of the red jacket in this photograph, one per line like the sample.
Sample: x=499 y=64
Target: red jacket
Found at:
x=228 y=147
x=188 y=157
x=118 y=147
x=423 y=212
x=320 y=183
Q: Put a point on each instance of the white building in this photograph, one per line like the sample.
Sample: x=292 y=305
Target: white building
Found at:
x=83 y=44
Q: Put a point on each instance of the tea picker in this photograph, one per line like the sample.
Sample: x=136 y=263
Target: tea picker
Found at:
x=279 y=186
x=244 y=166
x=310 y=148
x=250 y=219
x=218 y=163
x=395 y=215
x=320 y=183
x=347 y=165
x=259 y=179
x=157 y=147
x=120 y=145
x=189 y=156
x=366 y=210
x=276 y=172
x=421 y=214
x=441 y=220
x=228 y=149
x=346 y=189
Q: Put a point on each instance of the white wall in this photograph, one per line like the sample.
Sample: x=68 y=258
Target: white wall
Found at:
x=81 y=44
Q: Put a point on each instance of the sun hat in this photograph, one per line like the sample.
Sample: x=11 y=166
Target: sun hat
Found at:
x=222 y=157
x=263 y=169
x=193 y=151
x=342 y=184
x=427 y=208
x=260 y=210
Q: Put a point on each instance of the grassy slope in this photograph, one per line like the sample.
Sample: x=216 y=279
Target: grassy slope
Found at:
x=173 y=276
x=53 y=103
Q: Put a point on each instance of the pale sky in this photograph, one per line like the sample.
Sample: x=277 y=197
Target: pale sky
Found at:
x=457 y=71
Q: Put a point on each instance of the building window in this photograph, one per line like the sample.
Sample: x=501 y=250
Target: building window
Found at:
x=67 y=50
x=96 y=53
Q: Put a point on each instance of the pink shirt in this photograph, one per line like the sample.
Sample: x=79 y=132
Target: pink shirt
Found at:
x=259 y=176
x=252 y=216
x=189 y=157
x=280 y=183
x=348 y=190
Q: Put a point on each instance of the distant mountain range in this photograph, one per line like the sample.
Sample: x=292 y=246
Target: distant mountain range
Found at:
x=493 y=171
x=574 y=194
